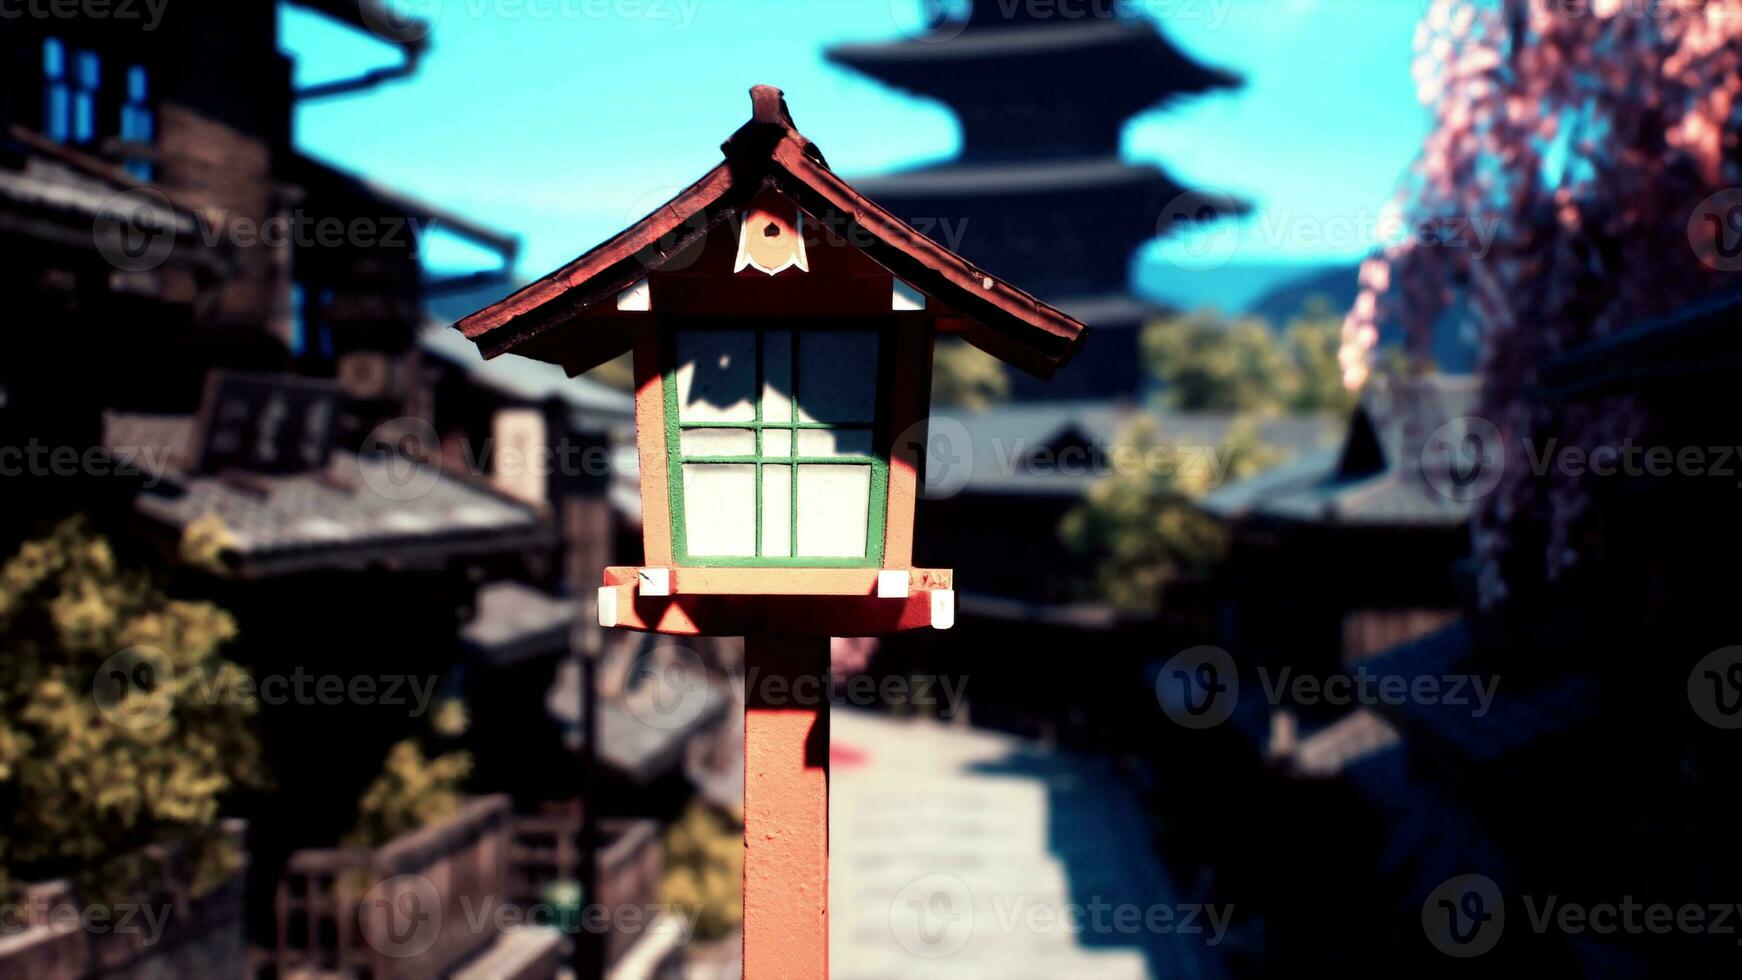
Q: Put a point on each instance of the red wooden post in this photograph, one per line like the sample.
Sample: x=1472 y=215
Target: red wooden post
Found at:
x=786 y=808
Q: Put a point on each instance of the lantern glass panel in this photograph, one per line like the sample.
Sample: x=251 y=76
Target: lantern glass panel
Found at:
x=716 y=375
x=834 y=442
x=777 y=442
x=774 y=444
x=777 y=376
x=776 y=510
x=833 y=501
x=720 y=509
x=719 y=442
x=837 y=376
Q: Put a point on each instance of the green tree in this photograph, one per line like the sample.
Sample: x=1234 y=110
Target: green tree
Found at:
x=1314 y=383
x=963 y=376
x=1210 y=363
x=110 y=737
x=1140 y=519
x=618 y=373
x=704 y=869
x=412 y=792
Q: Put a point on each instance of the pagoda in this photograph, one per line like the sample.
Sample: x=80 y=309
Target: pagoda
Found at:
x=1039 y=193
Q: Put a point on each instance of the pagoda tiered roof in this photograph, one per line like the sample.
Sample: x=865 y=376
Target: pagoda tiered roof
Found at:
x=1014 y=177
x=1065 y=226
x=1038 y=192
x=1084 y=77
x=1132 y=41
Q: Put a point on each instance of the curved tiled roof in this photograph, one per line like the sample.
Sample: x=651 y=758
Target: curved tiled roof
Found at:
x=768 y=153
x=333 y=517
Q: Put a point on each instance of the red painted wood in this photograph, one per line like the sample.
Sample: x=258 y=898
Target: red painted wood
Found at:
x=860 y=582
x=998 y=317
x=786 y=812
x=743 y=615
x=650 y=442
x=909 y=403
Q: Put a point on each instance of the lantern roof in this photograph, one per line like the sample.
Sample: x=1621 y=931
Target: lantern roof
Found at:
x=566 y=316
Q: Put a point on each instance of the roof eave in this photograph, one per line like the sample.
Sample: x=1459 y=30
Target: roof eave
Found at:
x=769 y=152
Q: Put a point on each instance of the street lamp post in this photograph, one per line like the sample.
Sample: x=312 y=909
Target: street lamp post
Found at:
x=782 y=328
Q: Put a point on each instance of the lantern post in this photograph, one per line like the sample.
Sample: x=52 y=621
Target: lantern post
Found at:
x=786 y=812
x=782 y=327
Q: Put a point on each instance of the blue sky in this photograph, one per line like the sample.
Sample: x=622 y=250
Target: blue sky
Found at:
x=564 y=120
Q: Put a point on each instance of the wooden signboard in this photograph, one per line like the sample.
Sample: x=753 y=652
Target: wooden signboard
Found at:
x=265 y=423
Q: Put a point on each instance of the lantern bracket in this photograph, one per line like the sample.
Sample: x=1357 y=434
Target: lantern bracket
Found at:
x=741 y=601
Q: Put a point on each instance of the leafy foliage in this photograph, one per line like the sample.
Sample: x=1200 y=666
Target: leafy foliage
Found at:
x=109 y=740
x=704 y=869
x=1142 y=521
x=1315 y=382
x=204 y=543
x=966 y=377
x=1209 y=363
x=618 y=373
x=412 y=792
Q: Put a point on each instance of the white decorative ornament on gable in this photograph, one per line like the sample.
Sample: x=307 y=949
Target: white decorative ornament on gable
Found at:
x=771 y=242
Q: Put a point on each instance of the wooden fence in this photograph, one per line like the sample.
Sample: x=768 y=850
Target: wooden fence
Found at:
x=406 y=911
x=630 y=862
x=165 y=930
x=422 y=904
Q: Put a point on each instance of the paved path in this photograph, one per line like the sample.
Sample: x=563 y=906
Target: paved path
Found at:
x=959 y=853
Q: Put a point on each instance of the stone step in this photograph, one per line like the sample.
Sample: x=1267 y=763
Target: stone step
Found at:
x=525 y=953
x=996 y=964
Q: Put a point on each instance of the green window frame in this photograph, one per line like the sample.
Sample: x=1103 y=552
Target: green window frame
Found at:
x=764 y=455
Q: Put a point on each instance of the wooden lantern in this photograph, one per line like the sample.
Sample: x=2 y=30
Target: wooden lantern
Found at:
x=782 y=330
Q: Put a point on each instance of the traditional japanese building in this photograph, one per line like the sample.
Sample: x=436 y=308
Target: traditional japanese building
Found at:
x=1524 y=720
x=1039 y=192
x=227 y=333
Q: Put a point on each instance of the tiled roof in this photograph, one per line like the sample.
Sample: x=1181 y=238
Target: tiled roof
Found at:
x=514 y=621
x=78 y=195
x=1098 y=38
x=629 y=746
x=595 y=406
x=1375 y=479
x=70 y=198
x=346 y=515
x=1006 y=439
x=768 y=152
x=957 y=179
x=1301 y=474
x=1389 y=500
x=1697 y=341
x=1519 y=715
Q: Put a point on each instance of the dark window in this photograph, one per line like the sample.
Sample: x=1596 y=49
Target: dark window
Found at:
x=298 y=320
x=86 y=103
x=138 y=122
x=311 y=333
x=87 y=83
x=57 y=97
